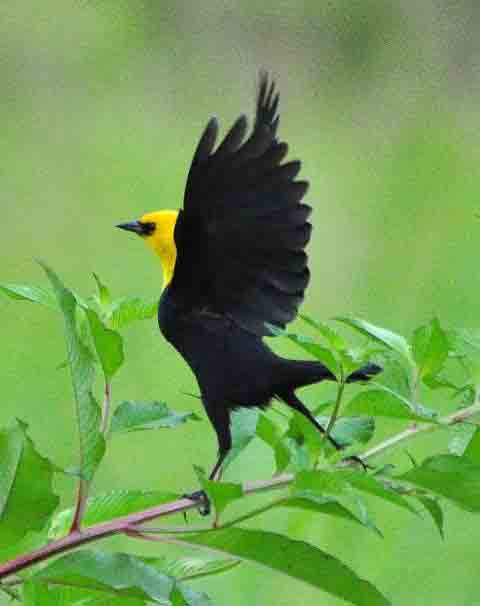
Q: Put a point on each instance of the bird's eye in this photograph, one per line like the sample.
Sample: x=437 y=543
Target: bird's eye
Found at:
x=147 y=228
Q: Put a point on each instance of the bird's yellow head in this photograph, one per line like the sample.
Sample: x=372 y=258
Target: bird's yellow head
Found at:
x=157 y=229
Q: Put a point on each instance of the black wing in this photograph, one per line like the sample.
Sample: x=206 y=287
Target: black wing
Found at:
x=241 y=236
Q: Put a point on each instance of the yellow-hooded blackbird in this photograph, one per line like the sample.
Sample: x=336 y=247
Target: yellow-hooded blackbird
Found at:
x=234 y=261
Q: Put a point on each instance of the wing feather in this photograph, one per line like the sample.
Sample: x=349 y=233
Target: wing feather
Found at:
x=242 y=233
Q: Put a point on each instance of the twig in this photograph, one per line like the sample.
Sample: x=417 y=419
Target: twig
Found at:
x=126 y=524
x=106 y=408
x=82 y=495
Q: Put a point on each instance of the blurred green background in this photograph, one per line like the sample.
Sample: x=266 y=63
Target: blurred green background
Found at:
x=101 y=105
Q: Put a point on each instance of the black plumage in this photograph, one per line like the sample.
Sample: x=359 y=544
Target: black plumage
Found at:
x=241 y=265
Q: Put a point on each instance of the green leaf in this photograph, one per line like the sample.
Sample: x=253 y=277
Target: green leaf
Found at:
x=370 y=485
x=303 y=432
x=472 y=450
x=455 y=478
x=349 y=430
x=41 y=594
x=430 y=349
x=390 y=339
x=193 y=567
x=297 y=559
x=465 y=345
x=108 y=345
x=130 y=309
x=221 y=494
x=383 y=403
x=117 y=574
x=434 y=509
x=461 y=434
x=270 y=433
x=82 y=370
x=104 y=297
x=334 y=339
x=243 y=426
x=307 y=501
x=320 y=482
x=34 y=294
x=25 y=485
x=108 y=506
x=139 y=416
x=185 y=596
x=310 y=346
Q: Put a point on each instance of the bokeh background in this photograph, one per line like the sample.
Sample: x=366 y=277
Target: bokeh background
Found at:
x=101 y=105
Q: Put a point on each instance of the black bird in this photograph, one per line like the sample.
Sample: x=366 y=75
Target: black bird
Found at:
x=234 y=261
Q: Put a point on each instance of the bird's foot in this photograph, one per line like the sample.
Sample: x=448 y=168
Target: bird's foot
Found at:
x=200 y=497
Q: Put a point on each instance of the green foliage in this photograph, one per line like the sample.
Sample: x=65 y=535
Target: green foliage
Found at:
x=296 y=559
x=139 y=416
x=82 y=370
x=25 y=485
x=319 y=481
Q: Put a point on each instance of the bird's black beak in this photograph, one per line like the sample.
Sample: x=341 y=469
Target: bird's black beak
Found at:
x=134 y=226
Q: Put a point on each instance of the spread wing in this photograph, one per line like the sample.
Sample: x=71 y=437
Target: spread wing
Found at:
x=242 y=233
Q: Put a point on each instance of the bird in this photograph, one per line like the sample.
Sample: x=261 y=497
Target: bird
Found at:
x=234 y=265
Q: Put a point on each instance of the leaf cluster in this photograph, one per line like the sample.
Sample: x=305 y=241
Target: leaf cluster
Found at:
x=308 y=473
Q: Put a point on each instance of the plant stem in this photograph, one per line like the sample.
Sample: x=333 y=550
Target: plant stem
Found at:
x=82 y=495
x=106 y=408
x=336 y=408
x=126 y=524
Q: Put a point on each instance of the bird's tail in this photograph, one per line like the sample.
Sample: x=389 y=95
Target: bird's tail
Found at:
x=302 y=373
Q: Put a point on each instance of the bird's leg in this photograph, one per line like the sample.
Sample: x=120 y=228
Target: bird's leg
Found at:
x=220 y=419
x=291 y=399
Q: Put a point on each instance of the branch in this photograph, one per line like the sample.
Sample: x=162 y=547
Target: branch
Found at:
x=127 y=523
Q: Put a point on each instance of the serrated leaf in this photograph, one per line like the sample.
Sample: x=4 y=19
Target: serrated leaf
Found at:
x=108 y=506
x=117 y=574
x=139 y=416
x=130 y=309
x=383 y=403
x=390 y=339
x=434 y=509
x=25 y=486
x=270 y=433
x=82 y=370
x=455 y=478
x=33 y=294
x=221 y=494
x=108 y=345
x=243 y=426
x=370 y=485
x=297 y=559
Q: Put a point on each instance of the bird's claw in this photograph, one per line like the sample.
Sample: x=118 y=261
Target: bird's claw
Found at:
x=200 y=497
